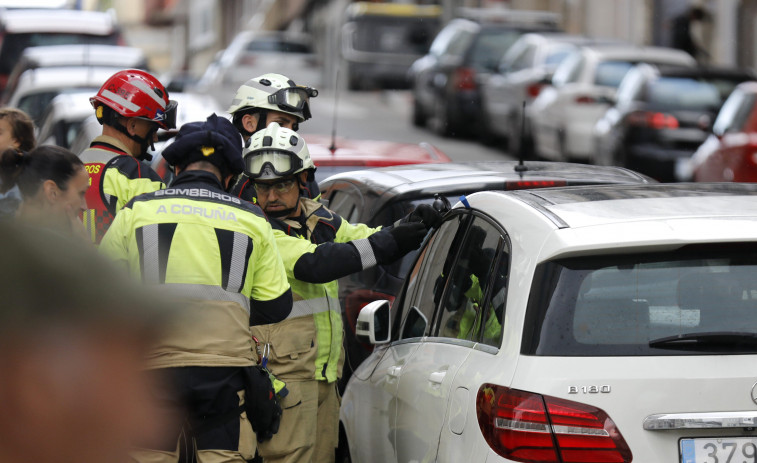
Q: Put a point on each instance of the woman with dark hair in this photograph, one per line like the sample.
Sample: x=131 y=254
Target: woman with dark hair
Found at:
x=17 y=132
x=53 y=182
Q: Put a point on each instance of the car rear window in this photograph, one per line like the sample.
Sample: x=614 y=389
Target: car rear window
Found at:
x=490 y=46
x=278 y=46
x=683 y=93
x=610 y=73
x=14 y=44
x=404 y=36
x=697 y=300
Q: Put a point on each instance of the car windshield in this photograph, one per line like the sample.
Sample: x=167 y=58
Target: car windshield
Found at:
x=14 y=44
x=683 y=93
x=618 y=305
x=610 y=73
x=34 y=104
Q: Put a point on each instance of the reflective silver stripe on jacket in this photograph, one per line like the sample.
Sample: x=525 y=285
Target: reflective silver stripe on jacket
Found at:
x=207 y=293
x=314 y=306
x=367 y=256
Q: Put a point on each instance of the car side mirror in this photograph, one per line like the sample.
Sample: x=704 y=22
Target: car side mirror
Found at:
x=373 y=323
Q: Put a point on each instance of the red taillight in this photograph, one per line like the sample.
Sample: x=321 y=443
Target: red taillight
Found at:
x=533 y=90
x=523 y=184
x=528 y=427
x=465 y=79
x=585 y=99
x=653 y=120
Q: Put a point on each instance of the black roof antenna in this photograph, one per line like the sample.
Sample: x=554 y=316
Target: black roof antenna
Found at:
x=332 y=148
x=522 y=167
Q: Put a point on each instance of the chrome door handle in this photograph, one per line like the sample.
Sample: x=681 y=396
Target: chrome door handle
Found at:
x=437 y=377
x=394 y=371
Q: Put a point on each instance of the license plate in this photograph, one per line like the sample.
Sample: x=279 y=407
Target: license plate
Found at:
x=719 y=450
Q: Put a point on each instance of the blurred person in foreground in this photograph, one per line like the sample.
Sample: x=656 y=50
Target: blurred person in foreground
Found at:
x=52 y=182
x=263 y=100
x=16 y=132
x=131 y=106
x=217 y=253
x=73 y=341
x=317 y=247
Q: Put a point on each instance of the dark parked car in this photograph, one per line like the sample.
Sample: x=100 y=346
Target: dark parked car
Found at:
x=661 y=116
x=380 y=197
x=447 y=81
x=381 y=40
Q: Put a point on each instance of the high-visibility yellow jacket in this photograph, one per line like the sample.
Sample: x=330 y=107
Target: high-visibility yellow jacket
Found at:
x=212 y=250
x=115 y=177
x=317 y=248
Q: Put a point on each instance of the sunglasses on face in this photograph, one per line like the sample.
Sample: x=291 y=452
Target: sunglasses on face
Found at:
x=280 y=187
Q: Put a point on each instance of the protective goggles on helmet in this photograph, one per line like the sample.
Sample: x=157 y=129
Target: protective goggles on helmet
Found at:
x=271 y=164
x=293 y=98
x=167 y=119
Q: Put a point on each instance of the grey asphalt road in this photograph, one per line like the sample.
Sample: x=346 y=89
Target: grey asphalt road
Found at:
x=382 y=115
x=385 y=115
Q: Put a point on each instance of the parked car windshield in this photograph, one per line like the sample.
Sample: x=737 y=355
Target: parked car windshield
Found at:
x=683 y=93
x=14 y=44
x=704 y=297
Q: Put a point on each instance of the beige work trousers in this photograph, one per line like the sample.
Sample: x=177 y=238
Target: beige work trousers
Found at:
x=309 y=431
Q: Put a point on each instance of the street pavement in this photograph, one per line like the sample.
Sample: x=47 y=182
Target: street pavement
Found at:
x=382 y=115
x=385 y=115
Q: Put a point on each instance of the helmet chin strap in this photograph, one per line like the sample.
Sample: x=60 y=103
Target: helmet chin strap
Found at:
x=144 y=142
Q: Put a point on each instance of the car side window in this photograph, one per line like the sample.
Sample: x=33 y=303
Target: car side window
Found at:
x=478 y=276
x=427 y=279
x=347 y=201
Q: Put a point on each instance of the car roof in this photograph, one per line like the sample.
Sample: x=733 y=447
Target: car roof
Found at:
x=639 y=53
x=57 y=20
x=370 y=152
x=562 y=37
x=452 y=178
x=584 y=206
x=88 y=55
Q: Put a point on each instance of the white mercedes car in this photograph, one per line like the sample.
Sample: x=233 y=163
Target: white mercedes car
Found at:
x=584 y=324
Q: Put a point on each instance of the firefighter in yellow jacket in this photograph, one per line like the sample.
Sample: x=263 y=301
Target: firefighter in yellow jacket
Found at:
x=218 y=254
x=317 y=247
x=131 y=106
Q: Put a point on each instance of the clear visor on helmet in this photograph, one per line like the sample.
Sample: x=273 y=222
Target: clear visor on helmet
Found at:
x=281 y=162
x=293 y=98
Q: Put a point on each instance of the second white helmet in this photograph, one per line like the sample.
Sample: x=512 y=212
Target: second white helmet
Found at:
x=274 y=92
x=276 y=152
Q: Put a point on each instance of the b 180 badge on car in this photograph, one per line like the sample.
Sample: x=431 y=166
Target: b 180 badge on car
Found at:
x=603 y=389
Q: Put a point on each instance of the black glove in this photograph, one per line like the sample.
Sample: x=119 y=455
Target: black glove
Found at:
x=408 y=236
x=427 y=215
x=263 y=409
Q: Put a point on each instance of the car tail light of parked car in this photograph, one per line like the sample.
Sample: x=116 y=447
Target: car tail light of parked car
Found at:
x=528 y=427
x=534 y=89
x=653 y=120
x=585 y=99
x=465 y=79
